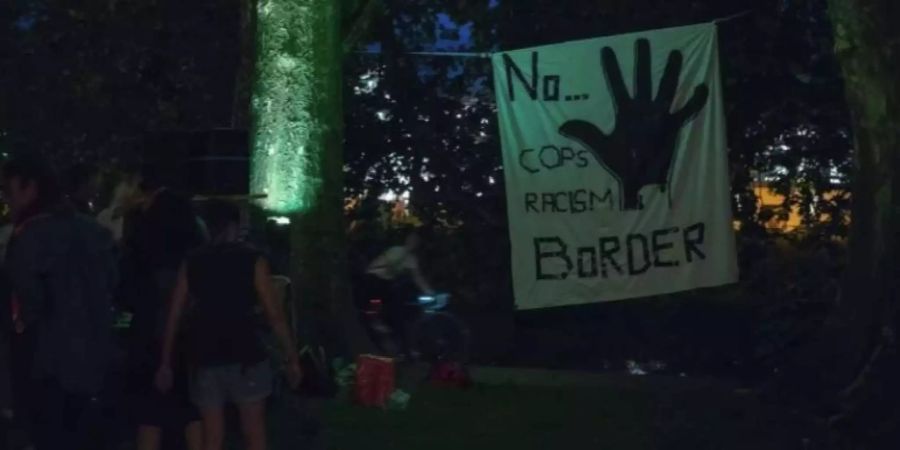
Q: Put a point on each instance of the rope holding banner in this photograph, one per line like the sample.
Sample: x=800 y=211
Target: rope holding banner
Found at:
x=457 y=54
x=733 y=16
x=444 y=54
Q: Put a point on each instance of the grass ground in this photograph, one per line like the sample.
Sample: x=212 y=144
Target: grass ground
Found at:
x=636 y=414
x=547 y=411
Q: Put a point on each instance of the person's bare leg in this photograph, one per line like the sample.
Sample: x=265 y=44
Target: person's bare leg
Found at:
x=193 y=435
x=213 y=428
x=148 y=438
x=253 y=424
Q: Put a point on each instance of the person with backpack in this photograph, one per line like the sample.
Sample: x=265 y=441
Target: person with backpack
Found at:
x=226 y=280
x=62 y=271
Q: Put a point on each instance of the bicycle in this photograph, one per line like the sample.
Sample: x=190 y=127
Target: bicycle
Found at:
x=434 y=335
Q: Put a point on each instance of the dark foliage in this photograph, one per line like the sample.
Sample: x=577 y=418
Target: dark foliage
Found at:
x=84 y=81
x=87 y=80
x=426 y=125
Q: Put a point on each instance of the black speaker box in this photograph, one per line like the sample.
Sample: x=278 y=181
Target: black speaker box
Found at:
x=213 y=162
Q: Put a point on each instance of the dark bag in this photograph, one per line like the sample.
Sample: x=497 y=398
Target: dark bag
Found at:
x=318 y=374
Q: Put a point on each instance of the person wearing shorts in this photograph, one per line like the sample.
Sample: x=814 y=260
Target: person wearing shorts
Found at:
x=212 y=387
x=226 y=280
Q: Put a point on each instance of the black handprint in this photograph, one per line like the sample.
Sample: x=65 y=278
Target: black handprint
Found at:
x=640 y=150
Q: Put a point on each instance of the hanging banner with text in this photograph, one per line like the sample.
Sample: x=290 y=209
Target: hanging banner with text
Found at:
x=616 y=169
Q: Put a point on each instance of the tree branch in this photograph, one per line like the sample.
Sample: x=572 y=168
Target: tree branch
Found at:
x=360 y=21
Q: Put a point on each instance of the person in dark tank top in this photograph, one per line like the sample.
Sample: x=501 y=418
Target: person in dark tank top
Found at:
x=226 y=280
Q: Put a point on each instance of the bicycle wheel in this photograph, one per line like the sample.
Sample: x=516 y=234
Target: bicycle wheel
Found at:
x=440 y=336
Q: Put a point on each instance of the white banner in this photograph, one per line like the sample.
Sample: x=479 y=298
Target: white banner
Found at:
x=616 y=170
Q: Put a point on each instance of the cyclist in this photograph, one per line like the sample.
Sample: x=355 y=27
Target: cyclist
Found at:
x=395 y=278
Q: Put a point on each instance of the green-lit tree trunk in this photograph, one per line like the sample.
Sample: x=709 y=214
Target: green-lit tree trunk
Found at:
x=867 y=41
x=297 y=157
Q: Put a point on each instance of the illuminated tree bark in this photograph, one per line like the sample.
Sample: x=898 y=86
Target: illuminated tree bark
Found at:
x=867 y=42
x=297 y=155
x=296 y=108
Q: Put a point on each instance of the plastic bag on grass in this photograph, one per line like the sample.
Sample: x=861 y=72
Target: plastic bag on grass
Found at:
x=399 y=400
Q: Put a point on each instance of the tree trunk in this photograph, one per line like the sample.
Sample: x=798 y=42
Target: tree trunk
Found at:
x=297 y=156
x=867 y=43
